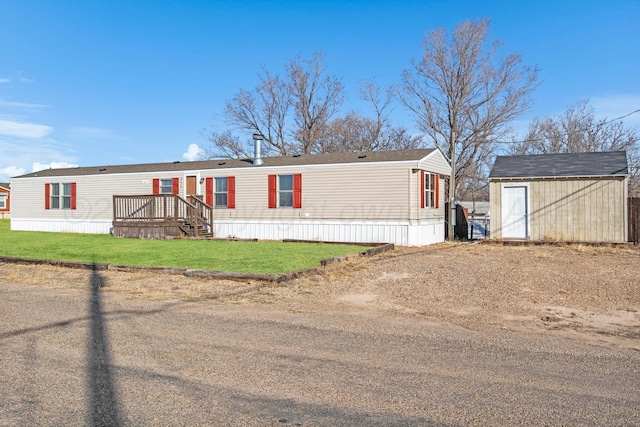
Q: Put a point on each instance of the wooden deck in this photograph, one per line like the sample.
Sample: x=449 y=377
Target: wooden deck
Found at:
x=161 y=216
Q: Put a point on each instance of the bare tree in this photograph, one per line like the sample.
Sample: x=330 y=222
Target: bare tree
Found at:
x=577 y=130
x=264 y=111
x=474 y=185
x=463 y=97
x=224 y=145
x=355 y=132
x=291 y=112
x=316 y=98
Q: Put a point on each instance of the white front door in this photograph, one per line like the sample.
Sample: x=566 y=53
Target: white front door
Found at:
x=514 y=213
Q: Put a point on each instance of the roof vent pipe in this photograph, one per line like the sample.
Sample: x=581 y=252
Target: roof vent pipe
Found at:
x=257 y=152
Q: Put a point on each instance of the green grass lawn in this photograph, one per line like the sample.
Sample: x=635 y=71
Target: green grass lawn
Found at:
x=245 y=257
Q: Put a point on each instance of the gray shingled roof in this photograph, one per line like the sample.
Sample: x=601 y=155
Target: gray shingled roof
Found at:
x=311 y=159
x=5 y=185
x=612 y=163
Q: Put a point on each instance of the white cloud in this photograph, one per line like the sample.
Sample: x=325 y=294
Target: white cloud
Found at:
x=22 y=105
x=193 y=153
x=4 y=80
x=24 y=130
x=18 y=156
x=37 y=166
x=10 y=171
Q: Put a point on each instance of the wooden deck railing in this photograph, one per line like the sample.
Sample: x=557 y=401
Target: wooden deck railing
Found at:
x=164 y=207
x=204 y=211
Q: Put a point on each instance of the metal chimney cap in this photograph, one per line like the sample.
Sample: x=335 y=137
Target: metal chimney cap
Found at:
x=258 y=137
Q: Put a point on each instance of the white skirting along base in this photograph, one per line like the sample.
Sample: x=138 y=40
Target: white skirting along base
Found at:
x=62 y=226
x=398 y=232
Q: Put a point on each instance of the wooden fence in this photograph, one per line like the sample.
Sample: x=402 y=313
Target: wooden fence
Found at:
x=633 y=216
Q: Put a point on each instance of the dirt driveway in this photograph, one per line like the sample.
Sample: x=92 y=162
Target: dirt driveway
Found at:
x=585 y=292
x=446 y=335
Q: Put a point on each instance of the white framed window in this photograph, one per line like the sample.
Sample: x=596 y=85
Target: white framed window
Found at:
x=60 y=195
x=166 y=186
x=430 y=190
x=3 y=201
x=221 y=193
x=66 y=196
x=55 y=196
x=285 y=191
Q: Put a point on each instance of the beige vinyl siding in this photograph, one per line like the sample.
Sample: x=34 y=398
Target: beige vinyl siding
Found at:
x=415 y=210
x=354 y=202
x=93 y=194
x=435 y=162
x=427 y=213
x=379 y=192
x=589 y=210
x=370 y=192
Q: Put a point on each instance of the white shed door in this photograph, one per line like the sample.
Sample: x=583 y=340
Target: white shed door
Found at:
x=514 y=213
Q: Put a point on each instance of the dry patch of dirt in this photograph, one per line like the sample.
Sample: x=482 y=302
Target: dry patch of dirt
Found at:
x=139 y=284
x=585 y=290
x=579 y=291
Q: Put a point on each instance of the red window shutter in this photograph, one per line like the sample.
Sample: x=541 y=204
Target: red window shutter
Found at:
x=231 y=192
x=297 y=190
x=437 y=191
x=273 y=191
x=209 y=191
x=73 y=195
x=175 y=184
x=422 y=189
x=156 y=186
x=47 y=196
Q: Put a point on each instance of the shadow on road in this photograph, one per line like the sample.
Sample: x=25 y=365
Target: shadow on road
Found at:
x=103 y=399
x=103 y=408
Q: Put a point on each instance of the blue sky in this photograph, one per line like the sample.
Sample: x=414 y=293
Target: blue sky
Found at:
x=112 y=82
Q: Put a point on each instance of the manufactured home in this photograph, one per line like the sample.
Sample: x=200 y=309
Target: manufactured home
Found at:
x=5 y=200
x=387 y=197
x=578 y=197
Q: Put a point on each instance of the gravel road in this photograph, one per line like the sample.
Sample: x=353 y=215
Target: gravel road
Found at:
x=389 y=341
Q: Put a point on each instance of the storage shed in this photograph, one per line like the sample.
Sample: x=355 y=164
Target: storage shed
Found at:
x=387 y=197
x=571 y=197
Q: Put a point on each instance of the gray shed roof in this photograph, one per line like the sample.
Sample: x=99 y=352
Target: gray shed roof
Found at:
x=5 y=185
x=310 y=159
x=613 y=163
